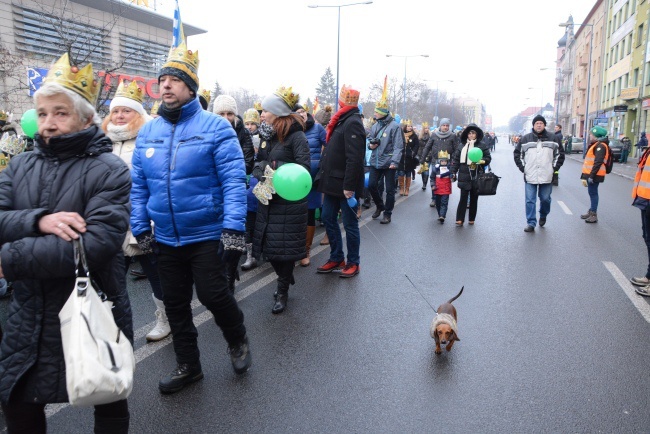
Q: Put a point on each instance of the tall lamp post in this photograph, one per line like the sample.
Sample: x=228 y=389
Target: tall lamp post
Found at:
x=338 y=38
x=435 y=118
x=405 y=59
x=591 y=47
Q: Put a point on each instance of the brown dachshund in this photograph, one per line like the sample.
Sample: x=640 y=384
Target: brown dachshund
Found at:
x=443 y=328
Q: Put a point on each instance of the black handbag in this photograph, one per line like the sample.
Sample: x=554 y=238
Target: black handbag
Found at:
x=487 y=183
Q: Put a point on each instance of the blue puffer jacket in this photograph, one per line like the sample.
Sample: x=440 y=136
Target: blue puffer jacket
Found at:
x=189 y=178
x=315 y=134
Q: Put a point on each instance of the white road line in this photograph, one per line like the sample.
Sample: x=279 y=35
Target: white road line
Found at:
x=641 y=305
x=564 y=207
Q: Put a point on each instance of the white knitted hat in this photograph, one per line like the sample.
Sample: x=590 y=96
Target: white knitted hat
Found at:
x=120 y=101
x=225 y=103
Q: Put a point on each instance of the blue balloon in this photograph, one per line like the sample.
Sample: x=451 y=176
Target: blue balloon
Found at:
x=367 y=179
x=352 y=202
x=398 y=119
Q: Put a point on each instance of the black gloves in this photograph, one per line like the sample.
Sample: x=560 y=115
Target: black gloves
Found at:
x=258 y=170
x=147 y=243
x=232 y=245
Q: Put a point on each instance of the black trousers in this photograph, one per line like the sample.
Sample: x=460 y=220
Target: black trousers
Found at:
x=197 y=264
x=462 y=205
x=29 y=418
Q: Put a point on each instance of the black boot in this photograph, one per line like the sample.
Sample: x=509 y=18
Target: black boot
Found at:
x=184 y=374
x=111 y=425
x=285 y=279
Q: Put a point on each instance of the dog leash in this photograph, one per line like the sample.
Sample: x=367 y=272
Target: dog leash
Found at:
x=421 y=295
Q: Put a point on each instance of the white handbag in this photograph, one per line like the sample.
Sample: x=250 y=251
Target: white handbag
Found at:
x=99 y=358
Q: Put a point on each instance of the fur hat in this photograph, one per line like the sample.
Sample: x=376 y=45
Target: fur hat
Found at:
x=225 y=104
x=323 y=116
x=539 y=118
x=471 y=127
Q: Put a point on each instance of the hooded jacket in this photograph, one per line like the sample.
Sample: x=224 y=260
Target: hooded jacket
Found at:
x=390 y=146
x=75 y=173
x=189 y=177
x=538 y=156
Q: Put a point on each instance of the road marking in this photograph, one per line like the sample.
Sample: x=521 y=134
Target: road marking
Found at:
x=637 y=300
x=564 y=207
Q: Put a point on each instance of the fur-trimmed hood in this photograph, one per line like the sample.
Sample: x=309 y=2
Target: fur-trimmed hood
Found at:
x=443 y=318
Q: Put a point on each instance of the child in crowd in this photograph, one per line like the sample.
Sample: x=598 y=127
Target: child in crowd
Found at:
x=441 y=184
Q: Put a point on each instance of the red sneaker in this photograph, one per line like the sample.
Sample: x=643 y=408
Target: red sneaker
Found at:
x=330 y=266
x=350 y=270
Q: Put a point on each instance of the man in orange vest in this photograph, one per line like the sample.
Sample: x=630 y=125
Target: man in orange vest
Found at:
x=641 y=196
x=594 y=169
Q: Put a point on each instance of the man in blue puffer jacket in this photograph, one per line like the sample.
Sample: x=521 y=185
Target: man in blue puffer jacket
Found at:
x=189 y=178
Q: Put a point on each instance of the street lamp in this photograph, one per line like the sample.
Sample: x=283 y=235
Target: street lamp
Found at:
x=591 y=46
x=405 y=58
x=435 y=118
x=338 y=38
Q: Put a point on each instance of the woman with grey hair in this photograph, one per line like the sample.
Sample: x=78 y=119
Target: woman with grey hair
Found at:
x=70 y=186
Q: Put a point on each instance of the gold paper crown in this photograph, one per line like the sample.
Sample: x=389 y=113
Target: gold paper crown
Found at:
x=382 y=104
x=185 y=60
x=251 y=115
x=257 y=106
x=349 y=96
x=12 y=145
x=205 y=93
x=425 y=125
x=3 y=115
x=443 y=155
x=80 y=81
x=154 y=108
x=288 y=96
x=132 y=91
x=408 y=123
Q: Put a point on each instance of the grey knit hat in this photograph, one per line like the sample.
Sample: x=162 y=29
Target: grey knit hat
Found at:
x=276 y=105
x=444 y=121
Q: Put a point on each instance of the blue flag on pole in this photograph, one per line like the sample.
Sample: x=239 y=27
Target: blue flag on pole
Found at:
x=178 y=34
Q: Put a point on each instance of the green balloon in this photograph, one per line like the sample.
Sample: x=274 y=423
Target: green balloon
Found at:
x=292 y=181
x=29 y=123
x=475 y=155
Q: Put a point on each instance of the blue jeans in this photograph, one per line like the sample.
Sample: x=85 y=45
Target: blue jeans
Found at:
x=592 y=189
x=331 y=207
x=544 y=193
x=373 y=186
x=442 y=202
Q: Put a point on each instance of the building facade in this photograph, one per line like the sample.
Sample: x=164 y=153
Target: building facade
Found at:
x=124 y=41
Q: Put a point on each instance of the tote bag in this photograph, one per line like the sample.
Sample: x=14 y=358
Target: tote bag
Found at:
x=487 y=183
x=99 y=359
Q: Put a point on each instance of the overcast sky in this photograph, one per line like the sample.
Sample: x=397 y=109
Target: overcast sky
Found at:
x=492 y=50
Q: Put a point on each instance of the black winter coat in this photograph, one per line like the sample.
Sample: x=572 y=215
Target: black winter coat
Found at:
x=409 y=153
x=435 y=144
x=465 y=174
x=74 y=173
x=341 y=166
x=281 y=226
x=246 y=143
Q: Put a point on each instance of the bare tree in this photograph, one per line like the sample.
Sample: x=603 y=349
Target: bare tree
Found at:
x=15 y=83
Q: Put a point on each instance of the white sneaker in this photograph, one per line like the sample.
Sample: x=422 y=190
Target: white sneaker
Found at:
x=640 y=281
x=161 y=329
x=643 y=290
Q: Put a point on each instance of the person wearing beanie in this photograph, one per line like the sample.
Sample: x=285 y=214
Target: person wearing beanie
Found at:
x=594 y=169
x=341 y=180
x=538 y=155
x=226 y=107
x=315 y=134
x=125 y=119
x=252 y=124
x=386 y=142
x=281 y=224
x=189 y=179
x=443 y=140
x=324 y=115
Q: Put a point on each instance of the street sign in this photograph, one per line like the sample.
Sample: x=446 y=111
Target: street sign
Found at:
x=620 y=108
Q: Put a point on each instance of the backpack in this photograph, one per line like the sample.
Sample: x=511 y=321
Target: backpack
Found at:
x=609 y=160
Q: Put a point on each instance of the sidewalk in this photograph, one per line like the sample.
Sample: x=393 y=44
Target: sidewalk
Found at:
x=627 y=170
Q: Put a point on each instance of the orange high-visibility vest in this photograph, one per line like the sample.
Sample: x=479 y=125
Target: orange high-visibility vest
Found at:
x=588 y=165
x=641 y=185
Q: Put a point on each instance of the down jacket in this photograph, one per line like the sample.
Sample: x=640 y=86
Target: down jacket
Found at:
x=74 y=173
x=390 y=146
x=538 y=156
x=315 y=134
x=281 y=226
x=188 y=177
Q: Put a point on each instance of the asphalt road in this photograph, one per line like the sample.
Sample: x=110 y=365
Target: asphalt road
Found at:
x=553 y=338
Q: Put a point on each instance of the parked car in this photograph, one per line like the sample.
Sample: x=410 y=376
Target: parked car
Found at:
x=617 y=148
x=577 y=145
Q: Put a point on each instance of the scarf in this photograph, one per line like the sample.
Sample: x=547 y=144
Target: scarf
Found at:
x=172 y=115
x=407 y=136
x=335 y=120
x=463 y=153
x=119 y=133
x=442 y=135
x=266 y=131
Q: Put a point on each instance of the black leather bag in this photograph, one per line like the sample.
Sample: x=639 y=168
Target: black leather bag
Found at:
x=487 y=184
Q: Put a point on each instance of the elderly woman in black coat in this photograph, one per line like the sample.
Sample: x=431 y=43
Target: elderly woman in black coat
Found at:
x=466 y=171
x=71 y=185
x=281 y=226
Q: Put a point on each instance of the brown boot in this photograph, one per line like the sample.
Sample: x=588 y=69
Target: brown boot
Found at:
x=310 y=238
x=407 y=185
x=400 y=180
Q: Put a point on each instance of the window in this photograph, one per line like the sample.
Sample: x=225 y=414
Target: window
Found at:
x=626 y=9
x=618 y=86
x=626 y=77
x=635 y=78
x=632 y=7
x=639 y=35
x=142 y=57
